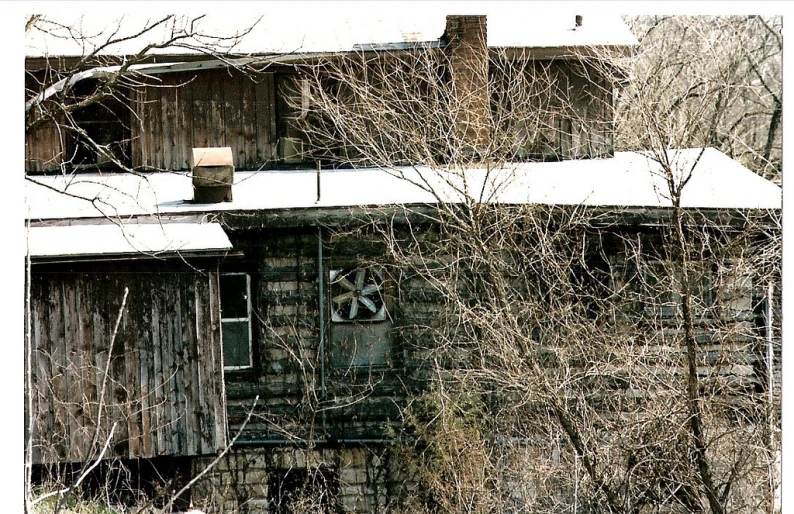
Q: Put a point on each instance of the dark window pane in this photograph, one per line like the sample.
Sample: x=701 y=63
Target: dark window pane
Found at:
x=106 y=123
x=292 y=491
x=236 y=348
x=234 y=296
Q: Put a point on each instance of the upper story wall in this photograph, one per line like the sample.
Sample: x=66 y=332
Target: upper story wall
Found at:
x=510 y=86
x=205 y=109
x=254 y=114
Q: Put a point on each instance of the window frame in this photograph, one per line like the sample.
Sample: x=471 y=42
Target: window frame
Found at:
x=291 y=85
x=337 y=327
x=93 y=120
x=702 y=290
x=249 y=310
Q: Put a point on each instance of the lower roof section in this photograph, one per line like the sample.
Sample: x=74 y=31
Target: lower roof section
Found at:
x=125 y=240
x=629 y=179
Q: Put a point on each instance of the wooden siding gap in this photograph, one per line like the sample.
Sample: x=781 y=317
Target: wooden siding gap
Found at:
x=188 y=363
x=134 y=328
x=247 y=153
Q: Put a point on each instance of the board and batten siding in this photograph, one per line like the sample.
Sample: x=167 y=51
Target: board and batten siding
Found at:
x=175 y=112
x=163 y=389
x=204 y=109
x=44 y=149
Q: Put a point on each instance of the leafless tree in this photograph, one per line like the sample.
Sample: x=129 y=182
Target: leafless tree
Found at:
x=718 y=81
x=575 y=359
x=62 y=93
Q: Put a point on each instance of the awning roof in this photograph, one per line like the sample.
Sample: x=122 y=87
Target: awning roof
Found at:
x=126 y=239
x=627 y=180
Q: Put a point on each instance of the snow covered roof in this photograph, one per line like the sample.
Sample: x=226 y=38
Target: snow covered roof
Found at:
x=627 y=180
x=301 y=27
x=124 y=239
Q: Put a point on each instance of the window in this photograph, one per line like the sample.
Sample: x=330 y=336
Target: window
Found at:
x=662 y=286
x=236 y=320
x=360 y=324
x=292 y=104
x=105 y=124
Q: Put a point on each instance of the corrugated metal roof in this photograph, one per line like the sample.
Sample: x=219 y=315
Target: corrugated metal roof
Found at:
x=125 y=239
x=627 y=180
x=298 y=27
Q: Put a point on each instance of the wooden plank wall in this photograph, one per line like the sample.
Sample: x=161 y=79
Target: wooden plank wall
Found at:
x=163 y=389
x=211 y=108
x=180 y=111
x=585 y=131
x=551 y=110
x=289 y=372
x=286 y=370
x=44 y=149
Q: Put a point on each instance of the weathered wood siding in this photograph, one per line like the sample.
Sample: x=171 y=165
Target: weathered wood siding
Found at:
x=176 y=112
x=552 y=110
x=163 y=389
x=204 y=109
x=303 y=395
x=44 y=149
x=300 y=393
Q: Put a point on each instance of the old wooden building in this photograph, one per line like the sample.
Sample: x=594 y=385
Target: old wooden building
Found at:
x=238 y=287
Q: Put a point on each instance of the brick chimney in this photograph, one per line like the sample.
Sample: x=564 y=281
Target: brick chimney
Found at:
x=467 y=49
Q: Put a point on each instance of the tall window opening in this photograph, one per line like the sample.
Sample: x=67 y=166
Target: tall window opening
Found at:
x=236 y=320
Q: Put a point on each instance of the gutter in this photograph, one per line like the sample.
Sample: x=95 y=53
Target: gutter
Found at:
x=74 y=259
x=109 y=71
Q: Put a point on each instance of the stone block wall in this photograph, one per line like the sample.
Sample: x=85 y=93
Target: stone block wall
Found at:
x=254 y=480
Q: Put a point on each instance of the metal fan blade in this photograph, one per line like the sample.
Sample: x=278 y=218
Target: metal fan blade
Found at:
x=369 y=304
x=346 y=284
x=342 y=298
x=369 y=289
x=353 y=309
x=360 y=279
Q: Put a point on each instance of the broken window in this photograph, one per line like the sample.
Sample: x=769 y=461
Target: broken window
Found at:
x=102 y=138
x=235 y=293
x=360 y=322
